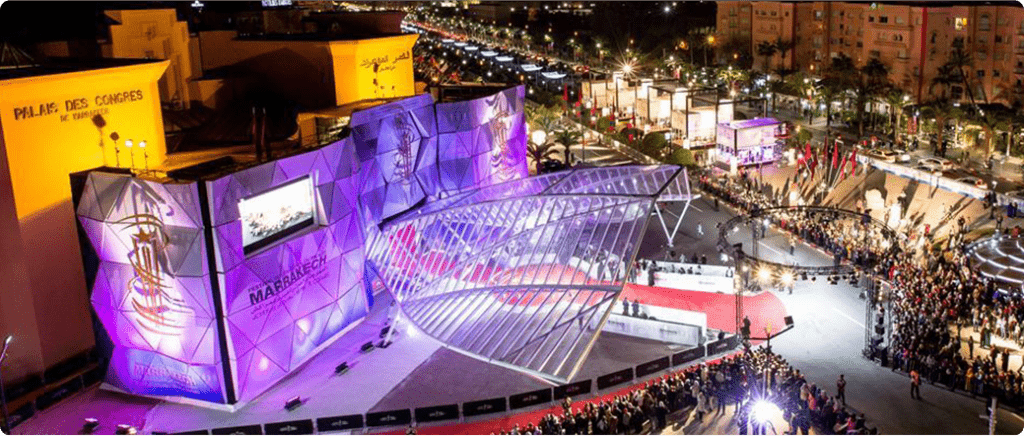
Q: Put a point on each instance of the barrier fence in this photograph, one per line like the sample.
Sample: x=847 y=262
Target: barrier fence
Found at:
x=472 y=409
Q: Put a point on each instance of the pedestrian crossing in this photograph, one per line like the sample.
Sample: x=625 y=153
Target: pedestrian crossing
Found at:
x=600 y=155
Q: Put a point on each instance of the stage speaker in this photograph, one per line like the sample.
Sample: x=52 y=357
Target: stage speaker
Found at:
x=90 y=425
x=125 y=429
x=788 y=320
x=293 y=403
x=341 y=369
x=367 y=347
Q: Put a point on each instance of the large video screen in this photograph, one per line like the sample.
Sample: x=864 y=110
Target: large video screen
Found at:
x=277 y=213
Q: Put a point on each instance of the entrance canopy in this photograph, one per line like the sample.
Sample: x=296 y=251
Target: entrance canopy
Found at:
x=519 y=274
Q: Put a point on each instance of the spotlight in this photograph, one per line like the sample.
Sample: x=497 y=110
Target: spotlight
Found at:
x=764 y=274
x=814 y=278
x=786 y=278
x=125 y=429
x=341 y=369
x=90 y=425
x=293 y=403
x=763 y=411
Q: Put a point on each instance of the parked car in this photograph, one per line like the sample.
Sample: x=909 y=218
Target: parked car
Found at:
x=551 y=166
x=882 y=155
x=936 y=162
x=978 y=183
x=928 y=169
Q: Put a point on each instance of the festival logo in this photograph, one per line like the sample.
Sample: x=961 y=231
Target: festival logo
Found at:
x=405 y=159
x=502 y=160
x=158 y=307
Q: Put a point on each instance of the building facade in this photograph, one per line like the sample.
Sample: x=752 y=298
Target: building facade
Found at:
x=913 y=40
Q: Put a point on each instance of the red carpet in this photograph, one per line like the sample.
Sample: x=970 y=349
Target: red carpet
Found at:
x=762 y=309
x=720 y=308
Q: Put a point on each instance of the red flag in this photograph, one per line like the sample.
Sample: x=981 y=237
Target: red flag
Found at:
x=853 y=161
x=565 y=92
x=842 y=167
x=835 y=155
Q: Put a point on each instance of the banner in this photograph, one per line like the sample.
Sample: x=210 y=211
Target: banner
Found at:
x=304 y=426
x=687 y=356
x=242 y=429
x=652 y=366
x=437 y=413
x=528 y=399
x=483 y=407
x=390 y=418
x=336 y=423
x=615 y=378
x=573 y=389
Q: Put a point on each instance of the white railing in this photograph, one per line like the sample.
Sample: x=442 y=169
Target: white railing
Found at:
x=926 y=177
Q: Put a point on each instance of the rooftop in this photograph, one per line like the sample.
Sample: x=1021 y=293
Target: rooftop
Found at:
x=66 y=65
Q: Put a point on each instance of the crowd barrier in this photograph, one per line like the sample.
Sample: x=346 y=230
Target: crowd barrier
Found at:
x=471 y=409
x=926 y=177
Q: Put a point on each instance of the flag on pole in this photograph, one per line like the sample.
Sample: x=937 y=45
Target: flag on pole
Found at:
x=835 y=155
x=853 y=161
x=808 y=155
x=842 y=167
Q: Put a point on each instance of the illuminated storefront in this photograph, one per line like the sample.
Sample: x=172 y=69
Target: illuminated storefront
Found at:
x=748 y=142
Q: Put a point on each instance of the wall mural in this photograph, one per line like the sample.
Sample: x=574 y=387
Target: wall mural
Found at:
x=279 y=301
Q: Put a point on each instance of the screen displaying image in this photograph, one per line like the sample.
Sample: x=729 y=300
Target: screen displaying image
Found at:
x=274 y=214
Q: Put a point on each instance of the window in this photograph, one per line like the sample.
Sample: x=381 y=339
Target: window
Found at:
x=982 y=56
x=871 y=18
x=774 y=13
x=819 y=15
x=999 y=39
x=860 y=44
x=981 y=73
x=984 y=23
x=899 y=20
x=982 y=40
x=875 y=53
x=960 y=23
x=882 y=19
x=934 y=35
x=995 y=73
x=917 y=71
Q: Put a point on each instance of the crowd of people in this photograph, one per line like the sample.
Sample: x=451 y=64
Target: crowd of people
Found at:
x=702 y=391
x=846 y=236
x=936 y=300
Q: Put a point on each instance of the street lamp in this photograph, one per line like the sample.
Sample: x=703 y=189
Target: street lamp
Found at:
x=3 y=394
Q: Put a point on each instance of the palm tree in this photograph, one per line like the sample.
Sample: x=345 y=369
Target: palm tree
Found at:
x=872 y=79
x=941 y=110
x=958 y=60
x=540 y=153
x=783 y=46
x=567 y=138
x=895 y=98
x=767 y=50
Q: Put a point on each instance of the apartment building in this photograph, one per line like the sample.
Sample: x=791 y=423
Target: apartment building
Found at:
x=912 y=39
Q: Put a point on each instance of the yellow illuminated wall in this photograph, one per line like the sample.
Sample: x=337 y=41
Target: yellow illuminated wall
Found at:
x=52 y=126
x=155 y=34
x=373 y=68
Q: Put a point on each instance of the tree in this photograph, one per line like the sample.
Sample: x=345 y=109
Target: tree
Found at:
x=895 y=98
x=783 y=46
x=653 y=144
x=941 y=110
x=567 y=138
x=871 y=80
x=767 y=50
x=540 y=153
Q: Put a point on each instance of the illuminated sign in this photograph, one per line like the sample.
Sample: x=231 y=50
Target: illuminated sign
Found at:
x=77 y=108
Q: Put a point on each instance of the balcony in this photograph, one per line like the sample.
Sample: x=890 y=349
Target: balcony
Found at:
x=1018 y=71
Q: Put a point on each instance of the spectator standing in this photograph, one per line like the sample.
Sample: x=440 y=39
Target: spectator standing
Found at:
x=841 y=388
x=915 y=384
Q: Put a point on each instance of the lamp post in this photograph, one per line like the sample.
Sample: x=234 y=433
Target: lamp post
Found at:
x=131 y=152
x=145 y=156
x=3 y=393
